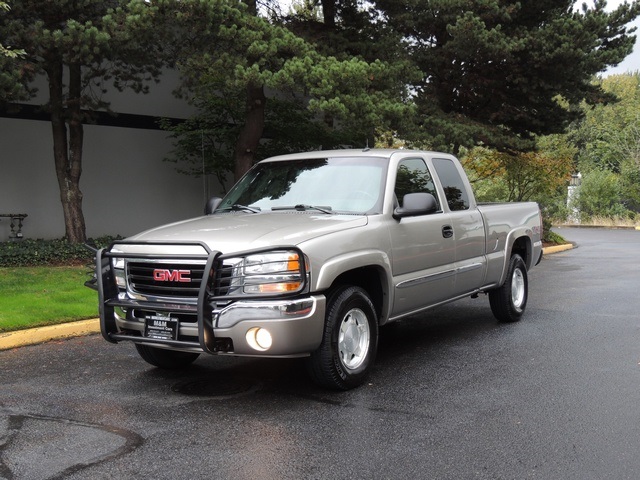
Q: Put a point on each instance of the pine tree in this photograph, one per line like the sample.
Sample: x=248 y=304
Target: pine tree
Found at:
x=493 y=70
x=256 y=67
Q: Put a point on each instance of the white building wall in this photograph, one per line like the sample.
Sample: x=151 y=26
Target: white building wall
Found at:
x=127 y=186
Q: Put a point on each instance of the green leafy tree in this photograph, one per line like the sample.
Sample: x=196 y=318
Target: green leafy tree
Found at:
x=609 y=134
x=539 y=175
x=492 y=70
x=608 y=139
x=76 y=46
x=599 y=196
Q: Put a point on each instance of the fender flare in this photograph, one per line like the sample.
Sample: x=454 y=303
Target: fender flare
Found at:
x=340 y=264
x=512 y=238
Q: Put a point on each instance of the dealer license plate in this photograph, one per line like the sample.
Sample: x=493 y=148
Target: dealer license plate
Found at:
x=161 y=327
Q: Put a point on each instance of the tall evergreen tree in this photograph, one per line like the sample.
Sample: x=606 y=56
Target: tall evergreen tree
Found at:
x=492 y=70
x=257 y=67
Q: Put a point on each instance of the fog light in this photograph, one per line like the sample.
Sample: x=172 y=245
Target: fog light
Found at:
x=259 y=339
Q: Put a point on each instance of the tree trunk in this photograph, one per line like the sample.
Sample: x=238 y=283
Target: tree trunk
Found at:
x=67 y=152
x=251 y=132
x=329 y=13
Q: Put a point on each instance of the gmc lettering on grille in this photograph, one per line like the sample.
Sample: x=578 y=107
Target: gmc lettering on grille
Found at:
x=162 y=275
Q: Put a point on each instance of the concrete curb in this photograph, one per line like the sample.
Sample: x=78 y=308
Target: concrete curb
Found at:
x=602 y=227
x=33 y=336
x=557 y=248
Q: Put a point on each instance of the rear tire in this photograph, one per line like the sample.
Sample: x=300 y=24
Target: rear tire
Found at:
x=349 y=343
x=167 y=359
x=509 y=300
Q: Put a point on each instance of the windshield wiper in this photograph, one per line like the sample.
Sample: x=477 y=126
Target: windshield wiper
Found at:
x=236 y=207
x=301 y=208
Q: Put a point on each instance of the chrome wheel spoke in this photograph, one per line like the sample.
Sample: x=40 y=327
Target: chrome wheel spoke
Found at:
x=517 y=288
x=353 y=339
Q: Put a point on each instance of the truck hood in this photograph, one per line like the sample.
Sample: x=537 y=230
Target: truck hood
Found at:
x=231 y=232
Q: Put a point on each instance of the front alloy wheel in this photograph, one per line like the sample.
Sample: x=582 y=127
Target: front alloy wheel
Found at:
x=354 y=339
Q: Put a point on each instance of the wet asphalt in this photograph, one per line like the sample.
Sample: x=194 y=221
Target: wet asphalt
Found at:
x=453 y=395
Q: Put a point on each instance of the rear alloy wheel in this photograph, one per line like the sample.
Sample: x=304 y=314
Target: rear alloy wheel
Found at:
x=167 y=359
x=349 y=343
x=509 y=301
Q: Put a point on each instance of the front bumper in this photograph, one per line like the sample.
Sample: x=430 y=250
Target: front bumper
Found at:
x=216 y=325
x=296 y=327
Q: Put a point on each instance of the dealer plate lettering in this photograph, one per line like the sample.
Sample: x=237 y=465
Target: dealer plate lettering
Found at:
x=161 y=327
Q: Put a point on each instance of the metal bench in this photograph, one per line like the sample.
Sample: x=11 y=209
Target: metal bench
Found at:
x=16 y=221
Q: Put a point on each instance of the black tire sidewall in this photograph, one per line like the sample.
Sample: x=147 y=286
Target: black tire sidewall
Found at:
x=518 y=263
x=350 y=298
x=324 y=364
x=500 y=299
x=164 y=358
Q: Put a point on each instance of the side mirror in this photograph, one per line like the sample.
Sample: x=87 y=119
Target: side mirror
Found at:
x=211 y=205
x=414 y=204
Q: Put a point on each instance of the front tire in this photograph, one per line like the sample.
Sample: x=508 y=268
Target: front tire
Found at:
x=349 y=343
x=509 y=300
x=167 y=359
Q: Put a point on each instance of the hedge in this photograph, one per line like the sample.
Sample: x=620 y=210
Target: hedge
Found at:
x=30 y=252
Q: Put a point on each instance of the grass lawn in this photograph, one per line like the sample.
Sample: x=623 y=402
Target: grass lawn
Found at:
x=38 y=296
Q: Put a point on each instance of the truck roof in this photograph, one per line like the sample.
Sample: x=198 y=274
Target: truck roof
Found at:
x=365 y=152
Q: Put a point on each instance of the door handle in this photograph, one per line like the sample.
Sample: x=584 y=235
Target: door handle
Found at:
x=447 y=231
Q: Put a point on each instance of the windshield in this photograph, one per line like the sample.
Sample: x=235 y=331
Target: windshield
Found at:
x=345 y=185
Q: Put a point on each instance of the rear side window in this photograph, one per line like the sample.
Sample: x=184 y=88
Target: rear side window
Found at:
x=454 y=188
x=414 y=177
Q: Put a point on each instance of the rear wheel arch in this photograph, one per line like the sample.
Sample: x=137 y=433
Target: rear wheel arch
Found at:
x=519 y=244
x=522 y=246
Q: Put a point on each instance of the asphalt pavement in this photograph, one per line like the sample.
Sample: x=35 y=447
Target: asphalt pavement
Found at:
x=453 y=395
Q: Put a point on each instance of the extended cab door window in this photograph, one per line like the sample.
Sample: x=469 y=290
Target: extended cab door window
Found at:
x=454 y=188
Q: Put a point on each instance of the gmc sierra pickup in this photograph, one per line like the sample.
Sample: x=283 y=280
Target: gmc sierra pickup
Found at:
x=309 y=254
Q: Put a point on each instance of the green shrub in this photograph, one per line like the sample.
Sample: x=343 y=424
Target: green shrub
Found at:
x=600 y=196
x=29 y=252
x=553 y=237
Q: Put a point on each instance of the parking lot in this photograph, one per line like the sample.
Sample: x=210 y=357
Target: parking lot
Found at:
x=453 y=395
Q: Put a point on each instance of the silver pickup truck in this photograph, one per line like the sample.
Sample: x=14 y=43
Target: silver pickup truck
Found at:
x=309 y=254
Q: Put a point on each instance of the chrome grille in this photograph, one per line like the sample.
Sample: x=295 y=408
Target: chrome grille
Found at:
x=223 y=279
x=165 y=279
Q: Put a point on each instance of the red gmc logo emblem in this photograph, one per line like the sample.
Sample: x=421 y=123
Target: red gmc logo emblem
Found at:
x=161 y=275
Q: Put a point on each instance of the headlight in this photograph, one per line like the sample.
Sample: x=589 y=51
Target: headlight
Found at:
x=277 y=262
x=118 y=270
x=268 y=273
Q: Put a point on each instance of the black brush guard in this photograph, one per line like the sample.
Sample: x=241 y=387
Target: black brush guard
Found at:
x=210 y=291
